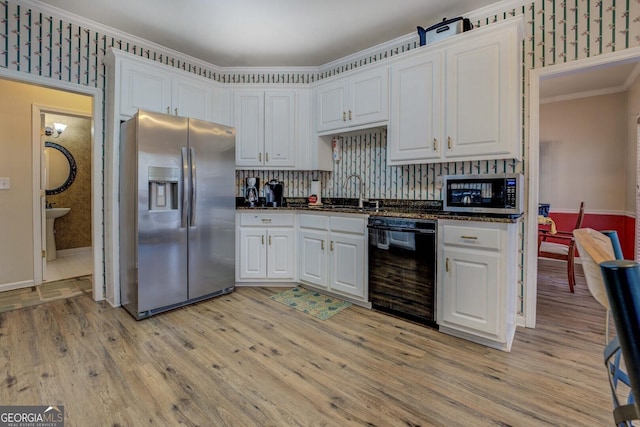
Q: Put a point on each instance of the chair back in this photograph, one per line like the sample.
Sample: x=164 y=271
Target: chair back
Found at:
x=594 y=248
x=580 y=216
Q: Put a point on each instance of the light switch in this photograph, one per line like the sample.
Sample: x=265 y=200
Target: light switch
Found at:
x=5 y=184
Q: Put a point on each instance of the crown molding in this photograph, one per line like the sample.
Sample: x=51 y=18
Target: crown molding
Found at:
x=585 y=94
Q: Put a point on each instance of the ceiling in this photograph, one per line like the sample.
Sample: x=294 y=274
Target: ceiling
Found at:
x=268 y=32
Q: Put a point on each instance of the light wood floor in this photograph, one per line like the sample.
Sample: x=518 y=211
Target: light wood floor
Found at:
x=244 y=360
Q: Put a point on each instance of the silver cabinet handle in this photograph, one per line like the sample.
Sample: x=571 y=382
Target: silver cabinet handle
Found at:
x=469 y=237
x=184 y=201
x=350 y=115
x=344 y=116
x=446 y=265
x=259 y=157
x=266 y=220
x=449 y=142
x=435 y=144
x=269 y=240
x=194 y=192
x=331 y=246
x=168 y=110
x=176 y=110
x=262 y=239
x=266 y=157
x=322 y=244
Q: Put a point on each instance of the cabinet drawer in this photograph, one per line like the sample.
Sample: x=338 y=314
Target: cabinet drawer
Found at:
x=348 y=224
x=267 y=219
x=318 y=222
x=471 y=237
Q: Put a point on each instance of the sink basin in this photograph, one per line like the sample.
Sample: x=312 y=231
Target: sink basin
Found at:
x=51 y=215
x=54 y=213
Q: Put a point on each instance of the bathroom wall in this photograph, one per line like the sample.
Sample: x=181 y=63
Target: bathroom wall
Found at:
x=74 y=229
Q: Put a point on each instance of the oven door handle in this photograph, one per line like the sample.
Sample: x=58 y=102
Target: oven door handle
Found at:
x=402 y=230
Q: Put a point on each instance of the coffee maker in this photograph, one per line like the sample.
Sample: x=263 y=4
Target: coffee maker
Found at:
x=273 y=193
x=251 y=191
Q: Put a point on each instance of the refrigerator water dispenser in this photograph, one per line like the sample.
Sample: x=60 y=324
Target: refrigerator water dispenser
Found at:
x=163 y=188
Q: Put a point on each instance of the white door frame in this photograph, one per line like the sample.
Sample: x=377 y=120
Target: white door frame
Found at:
x=97 y=145
x=531 y=233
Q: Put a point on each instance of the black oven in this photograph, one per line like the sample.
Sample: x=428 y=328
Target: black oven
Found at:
x=402 y=267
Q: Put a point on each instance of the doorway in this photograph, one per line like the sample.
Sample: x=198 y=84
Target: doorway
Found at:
x=600 y=62
x=65 y=171
x=31 y=208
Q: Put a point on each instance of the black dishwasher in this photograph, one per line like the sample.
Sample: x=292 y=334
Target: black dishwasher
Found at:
x=402 y=267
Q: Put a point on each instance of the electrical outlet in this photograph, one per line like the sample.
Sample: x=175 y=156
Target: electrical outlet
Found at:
x=5 y=184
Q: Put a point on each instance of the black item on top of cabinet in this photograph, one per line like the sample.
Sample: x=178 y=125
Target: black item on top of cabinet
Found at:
x=444 y=29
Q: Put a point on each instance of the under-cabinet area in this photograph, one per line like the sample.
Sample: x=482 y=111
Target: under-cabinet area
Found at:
x=458 y=275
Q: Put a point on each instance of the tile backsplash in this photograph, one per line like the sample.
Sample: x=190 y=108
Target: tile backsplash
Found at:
x=366 y=156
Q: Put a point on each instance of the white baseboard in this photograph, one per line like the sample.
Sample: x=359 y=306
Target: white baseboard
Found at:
x=16 y=285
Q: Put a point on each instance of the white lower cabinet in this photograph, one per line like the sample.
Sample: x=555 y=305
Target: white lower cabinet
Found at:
x=476 y=292
x=266 y=247
x=333 y=253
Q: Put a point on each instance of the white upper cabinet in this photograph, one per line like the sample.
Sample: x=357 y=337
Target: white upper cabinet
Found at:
x=415 y=125
x=458 y=99
x=483 y=97
x=143 y=87
x=265 y=123
x=192 y=98
x=353 y=102
x=146 y=85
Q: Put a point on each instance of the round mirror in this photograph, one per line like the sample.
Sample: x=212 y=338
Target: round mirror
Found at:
x=60 y=168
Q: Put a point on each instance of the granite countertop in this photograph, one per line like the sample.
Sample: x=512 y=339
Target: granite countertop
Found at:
x=388 y=210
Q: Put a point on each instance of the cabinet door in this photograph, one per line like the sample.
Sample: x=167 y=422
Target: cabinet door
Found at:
x=281 y=253
x=192 y=98
x=331 y=101
x=253 y=253
x=312 y=253
x=248 y=119
x=368 y=97
x=280 y=128
x=469 y=295
x=415 y=125
x=145 y=88
x=482 y=94
x=347 y=264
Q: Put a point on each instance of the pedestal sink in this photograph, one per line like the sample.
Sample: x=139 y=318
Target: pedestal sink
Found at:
x=52 y=214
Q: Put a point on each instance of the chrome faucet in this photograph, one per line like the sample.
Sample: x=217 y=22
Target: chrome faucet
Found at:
x=346 y=181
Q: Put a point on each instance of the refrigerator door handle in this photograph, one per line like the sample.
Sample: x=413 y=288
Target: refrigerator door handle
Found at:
x=194 y=193
x=184 y=201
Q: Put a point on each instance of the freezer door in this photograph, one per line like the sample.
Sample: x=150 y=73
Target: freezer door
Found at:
x=162 y=240
x=212 y=215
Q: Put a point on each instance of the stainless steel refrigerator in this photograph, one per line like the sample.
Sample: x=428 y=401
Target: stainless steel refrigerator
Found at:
x=177 y=212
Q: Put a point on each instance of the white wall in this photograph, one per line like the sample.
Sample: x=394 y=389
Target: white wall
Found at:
x=583 y=153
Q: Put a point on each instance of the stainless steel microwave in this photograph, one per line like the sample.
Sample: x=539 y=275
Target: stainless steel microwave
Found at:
x=501 y=194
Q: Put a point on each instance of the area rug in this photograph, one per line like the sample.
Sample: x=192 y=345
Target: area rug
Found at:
x=311 y=302
x=47 y=292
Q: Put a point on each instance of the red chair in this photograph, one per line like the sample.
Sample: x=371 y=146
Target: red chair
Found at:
x=561 y=246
